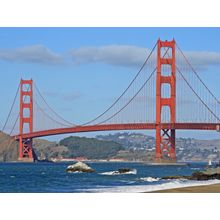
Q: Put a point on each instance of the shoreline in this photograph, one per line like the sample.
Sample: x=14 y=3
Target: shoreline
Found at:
x=211 y=188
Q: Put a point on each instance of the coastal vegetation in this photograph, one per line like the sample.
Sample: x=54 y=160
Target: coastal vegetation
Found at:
x=90 y=148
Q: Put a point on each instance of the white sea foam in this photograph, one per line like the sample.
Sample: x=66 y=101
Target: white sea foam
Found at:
x=196 y=168
x=150 y=188
x=116 y=172
x=109 y=173
x=76 y=172
x=150 y=179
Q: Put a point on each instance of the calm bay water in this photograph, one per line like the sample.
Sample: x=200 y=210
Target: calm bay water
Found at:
x=52 y=177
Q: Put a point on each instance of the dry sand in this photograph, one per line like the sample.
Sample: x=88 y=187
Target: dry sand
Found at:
x=215 y=188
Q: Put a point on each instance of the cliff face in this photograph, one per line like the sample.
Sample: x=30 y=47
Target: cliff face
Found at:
x=46 y=149
x=8 y=148
x=43 y=148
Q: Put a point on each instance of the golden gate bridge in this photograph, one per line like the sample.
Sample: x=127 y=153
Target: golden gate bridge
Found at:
x=166 y=94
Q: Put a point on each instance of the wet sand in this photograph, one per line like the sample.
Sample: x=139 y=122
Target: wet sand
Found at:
x=215 y=188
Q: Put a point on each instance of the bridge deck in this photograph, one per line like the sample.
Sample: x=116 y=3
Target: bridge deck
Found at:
x=110 y=127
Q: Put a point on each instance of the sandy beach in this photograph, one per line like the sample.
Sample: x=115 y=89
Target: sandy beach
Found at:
x=215 y=188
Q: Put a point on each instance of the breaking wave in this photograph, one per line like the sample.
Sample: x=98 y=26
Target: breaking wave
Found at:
x=75 y=172
x=150 y=179
x=150 y=188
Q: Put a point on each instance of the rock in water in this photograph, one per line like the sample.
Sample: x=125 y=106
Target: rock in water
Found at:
x=79 y=167
x=124 y=170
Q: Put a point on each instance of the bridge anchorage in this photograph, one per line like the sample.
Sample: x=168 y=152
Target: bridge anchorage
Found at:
x=165 y=95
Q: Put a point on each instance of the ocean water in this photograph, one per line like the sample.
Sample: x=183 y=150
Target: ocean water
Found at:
x=53 y=178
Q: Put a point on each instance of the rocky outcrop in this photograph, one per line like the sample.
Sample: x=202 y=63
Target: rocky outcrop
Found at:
x=47 y=150
x=209 y=174
x=203 y=176
x=79 y=167
x=175 y=177
x=44 y=149
x=124 y=170
x=8 y=148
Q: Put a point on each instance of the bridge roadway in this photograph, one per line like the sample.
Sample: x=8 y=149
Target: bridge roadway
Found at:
x=130 y=126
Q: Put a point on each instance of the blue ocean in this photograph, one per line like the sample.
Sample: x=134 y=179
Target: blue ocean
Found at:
x=53 y=178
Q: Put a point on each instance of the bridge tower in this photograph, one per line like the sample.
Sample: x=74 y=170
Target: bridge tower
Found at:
x=165 y=138
x=26 y=120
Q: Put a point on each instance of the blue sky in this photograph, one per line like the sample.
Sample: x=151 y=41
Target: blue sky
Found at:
x=80 y=71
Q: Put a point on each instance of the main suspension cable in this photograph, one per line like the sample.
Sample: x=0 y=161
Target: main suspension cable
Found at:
x=12 y=106
x=51 y=108
x=130 y=99
x=194 y=71
x=152 y=73
x=197 y=95
x=47 y=115
x=116 y=101
x=28 y=88
x=196 y=92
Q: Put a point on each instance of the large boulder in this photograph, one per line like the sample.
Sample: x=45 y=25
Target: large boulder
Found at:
x=79 y=167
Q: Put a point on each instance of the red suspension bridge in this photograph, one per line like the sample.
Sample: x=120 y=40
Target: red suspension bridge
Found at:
x=166 y=94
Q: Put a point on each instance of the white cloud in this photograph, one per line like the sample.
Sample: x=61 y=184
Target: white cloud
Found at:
x=203 y=58
x=34 y=54
x=127 y=55
x=121 y=55
x=124 y=55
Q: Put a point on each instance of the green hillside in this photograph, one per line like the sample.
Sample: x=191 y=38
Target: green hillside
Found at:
x=90 y=147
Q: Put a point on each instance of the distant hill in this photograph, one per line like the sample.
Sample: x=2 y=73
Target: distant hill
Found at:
x=187 y=149
x=90 y=148
x=127 y=146
x=43 y=149
x=129 y=140
x=70 y=147
x=8 y=148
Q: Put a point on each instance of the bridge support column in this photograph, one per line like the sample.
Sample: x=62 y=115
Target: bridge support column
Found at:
x=165 y=138
x=26 y=120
